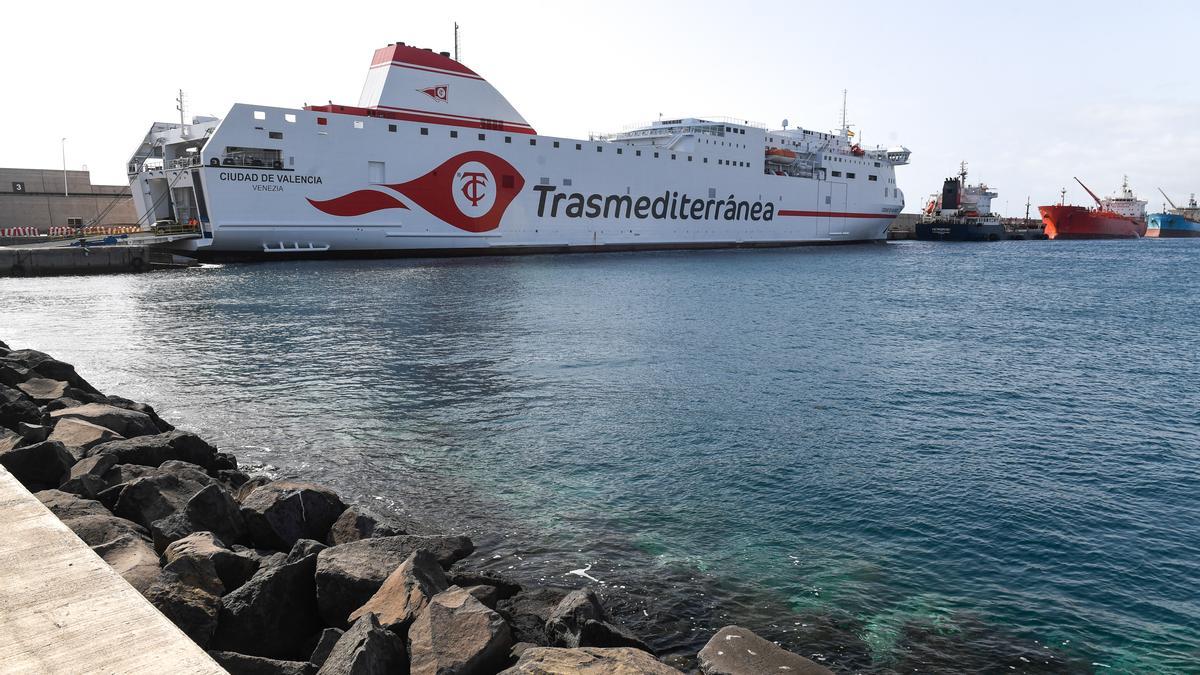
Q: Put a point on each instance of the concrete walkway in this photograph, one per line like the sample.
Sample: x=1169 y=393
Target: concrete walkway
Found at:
x=64 y=610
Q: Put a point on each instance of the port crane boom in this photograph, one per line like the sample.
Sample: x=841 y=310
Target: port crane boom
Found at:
x=1167 y=198
x=1093 y=194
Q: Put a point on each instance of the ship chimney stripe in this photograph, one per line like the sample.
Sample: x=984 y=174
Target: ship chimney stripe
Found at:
x=419 y=57
x=439 y=71
x=440 y=114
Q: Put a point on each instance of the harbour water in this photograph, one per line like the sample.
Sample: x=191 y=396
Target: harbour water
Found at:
x=942 y=457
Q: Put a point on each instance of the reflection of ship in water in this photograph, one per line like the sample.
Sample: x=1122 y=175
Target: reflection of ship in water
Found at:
x=1178 y=222
x=960 y=213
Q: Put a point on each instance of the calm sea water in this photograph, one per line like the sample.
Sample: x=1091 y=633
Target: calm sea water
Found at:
x=913 y=456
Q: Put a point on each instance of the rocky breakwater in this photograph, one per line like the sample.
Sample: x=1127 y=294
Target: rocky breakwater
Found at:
x=282 y=576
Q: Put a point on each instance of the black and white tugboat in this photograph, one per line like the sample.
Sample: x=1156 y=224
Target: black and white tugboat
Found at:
x=960 y=213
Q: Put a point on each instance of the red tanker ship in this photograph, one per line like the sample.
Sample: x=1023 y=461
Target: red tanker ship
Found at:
x=1122 y=217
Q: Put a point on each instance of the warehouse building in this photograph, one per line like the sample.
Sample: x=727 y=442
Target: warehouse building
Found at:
x=42 y=198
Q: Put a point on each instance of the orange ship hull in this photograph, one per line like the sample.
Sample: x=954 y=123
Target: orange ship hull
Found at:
x=1076 y=222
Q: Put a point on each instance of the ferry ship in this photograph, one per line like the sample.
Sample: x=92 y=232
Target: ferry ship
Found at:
x=435 y=161
x=1178 y=222
x=960 y=213
x=1119 y=217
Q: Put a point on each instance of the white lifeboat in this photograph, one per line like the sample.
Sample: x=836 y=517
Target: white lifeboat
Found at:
x=781 y=156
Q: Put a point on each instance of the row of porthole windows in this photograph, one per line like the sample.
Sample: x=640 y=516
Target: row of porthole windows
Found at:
x=852 y=175
x=424 y=131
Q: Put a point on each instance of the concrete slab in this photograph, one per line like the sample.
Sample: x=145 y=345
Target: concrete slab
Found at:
x=64 y=610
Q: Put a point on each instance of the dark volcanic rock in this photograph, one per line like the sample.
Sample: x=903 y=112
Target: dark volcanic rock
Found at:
x=85 y=477
x=488 y=595
x=249 y=486
x=455 y=633
x=97 y=530
x=282 y=511
x=33 y=433
x=46 y=366
x=128 y=423
x=146 y=410
x=244 y=664
x=43 y=390
x=154 y=450
x=580 y=621
x=39 y=466
x=80 y=435
x=405 y=592
x=13 y=373
x=366 y=649
x=528 y=611
x=360 y=522
x=192 y=609
x=505 y=588
x=737 y=651
x=325 y=643
x=232 y=568
x=156 y=496
x=590 y=661
x=274 y=614
x=304 y=548
x=133 y=558
x=212 y=509
x=16 y=407
x=66 y=505
x=348 y=575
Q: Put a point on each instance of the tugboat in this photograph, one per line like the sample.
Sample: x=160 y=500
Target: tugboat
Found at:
x=1121 y=217
x=960 y=213
x=1178 y=222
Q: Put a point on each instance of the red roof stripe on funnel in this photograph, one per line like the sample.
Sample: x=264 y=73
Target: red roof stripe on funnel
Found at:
x=419 y=57
x=438 y=71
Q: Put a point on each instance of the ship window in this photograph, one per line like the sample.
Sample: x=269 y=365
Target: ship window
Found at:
x=837 y=174
x=453 y=133
x=599 y=148
x=289 y=117
x=706 y=160
x=260 y=115
x=656 y=155
x=712 y=193
x=482 y=136
x=544 y=181
x=74 y=222
x=637 y=153
x=358 y=124
x=849 y=174
x=578 y=146
x=872 y=177
x=392 y=127
x=424 y=130
x=672 y=155
x=533 y=141
x=619 y=151
x=277 y=135
x=508 y=139
x=506 y=181
x=556 y=144
x=827 y=199
x=321 y=121
x=876 y=164
x=689 y=158
x=567 y=182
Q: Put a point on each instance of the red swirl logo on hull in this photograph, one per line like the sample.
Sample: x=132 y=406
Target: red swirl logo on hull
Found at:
x=470 y=191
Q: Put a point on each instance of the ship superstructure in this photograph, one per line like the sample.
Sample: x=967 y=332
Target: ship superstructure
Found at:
x=961 y=212
x=434 y=160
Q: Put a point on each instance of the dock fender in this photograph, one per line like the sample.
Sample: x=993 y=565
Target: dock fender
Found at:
x=137 y=264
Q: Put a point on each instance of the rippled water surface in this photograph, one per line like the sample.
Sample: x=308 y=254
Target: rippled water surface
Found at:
x=912 y=456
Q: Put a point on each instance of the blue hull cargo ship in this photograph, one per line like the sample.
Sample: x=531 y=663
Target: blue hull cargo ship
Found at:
x=1178 y=222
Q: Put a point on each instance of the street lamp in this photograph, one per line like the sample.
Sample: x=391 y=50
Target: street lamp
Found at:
x=64 y=154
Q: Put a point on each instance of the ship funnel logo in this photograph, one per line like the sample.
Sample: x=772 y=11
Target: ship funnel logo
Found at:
x=470 y=191
x=440 y=92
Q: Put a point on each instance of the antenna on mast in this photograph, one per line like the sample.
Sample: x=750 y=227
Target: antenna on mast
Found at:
x=1062 y=199
x=1027 y=203
x=844 y=128
x=962 y=171
x=179 y=105
x=455 y=40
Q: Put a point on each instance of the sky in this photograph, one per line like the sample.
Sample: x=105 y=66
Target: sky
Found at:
x=1029 y=94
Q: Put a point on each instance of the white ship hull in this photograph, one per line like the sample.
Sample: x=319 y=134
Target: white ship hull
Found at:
x=387 y=180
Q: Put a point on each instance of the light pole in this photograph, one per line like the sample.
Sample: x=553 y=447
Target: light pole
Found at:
x=64 y=154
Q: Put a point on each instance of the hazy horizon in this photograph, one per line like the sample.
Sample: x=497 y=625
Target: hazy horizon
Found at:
x=1029 y=96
